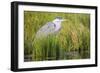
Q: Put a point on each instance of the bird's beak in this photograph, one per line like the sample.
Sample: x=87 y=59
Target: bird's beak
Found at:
x=64 y=20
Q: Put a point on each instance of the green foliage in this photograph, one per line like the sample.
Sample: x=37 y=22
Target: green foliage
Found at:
x=72 y=42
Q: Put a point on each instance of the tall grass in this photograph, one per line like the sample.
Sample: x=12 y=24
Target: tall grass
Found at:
x=71 y=42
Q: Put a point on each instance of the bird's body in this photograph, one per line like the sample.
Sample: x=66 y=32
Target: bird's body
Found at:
x=49 y=28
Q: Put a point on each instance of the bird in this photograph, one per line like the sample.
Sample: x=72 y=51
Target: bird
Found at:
x=49 y=28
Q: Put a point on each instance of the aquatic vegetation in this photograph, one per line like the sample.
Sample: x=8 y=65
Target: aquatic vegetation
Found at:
x=71 y=42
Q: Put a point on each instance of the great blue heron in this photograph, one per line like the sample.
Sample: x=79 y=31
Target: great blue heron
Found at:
x=50 y=27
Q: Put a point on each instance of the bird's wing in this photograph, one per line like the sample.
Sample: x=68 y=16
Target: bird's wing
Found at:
x=46 y=29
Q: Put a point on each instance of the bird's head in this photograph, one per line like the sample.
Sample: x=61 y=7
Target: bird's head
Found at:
x=58 y=20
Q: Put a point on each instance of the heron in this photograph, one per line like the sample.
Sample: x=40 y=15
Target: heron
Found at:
x=50 y=27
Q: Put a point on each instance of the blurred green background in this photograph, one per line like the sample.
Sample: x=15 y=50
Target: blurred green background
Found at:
x=72 y=41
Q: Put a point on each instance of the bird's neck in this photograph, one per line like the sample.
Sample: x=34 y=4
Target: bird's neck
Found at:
x=58 y=25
